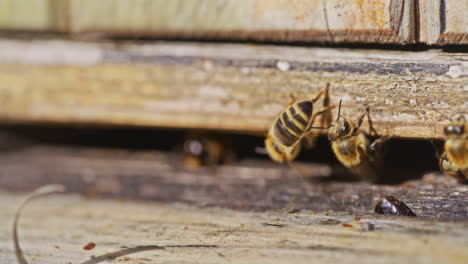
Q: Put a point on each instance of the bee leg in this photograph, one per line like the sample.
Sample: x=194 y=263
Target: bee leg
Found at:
x=355 y=129
x=372 y=130
x=376 y=146
x=310 y=140
x=449 y=169
x=321 y=112
x=321 y=93
x=293 y=99
x=326 y=117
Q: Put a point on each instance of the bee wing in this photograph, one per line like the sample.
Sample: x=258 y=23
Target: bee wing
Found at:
x=367 y=170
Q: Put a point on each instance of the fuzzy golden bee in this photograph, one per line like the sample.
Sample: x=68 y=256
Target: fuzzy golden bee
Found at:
x=454 y=159
x=284 y=139
x=354 y=150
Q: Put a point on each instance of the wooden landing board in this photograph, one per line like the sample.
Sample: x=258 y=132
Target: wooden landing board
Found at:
x=247 y=185
x=225 y=87
x=54 y=230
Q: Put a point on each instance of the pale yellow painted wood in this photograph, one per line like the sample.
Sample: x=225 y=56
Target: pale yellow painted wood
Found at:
x=55 y=229
x=226 y=87
x=25 y=14
x=33 y=15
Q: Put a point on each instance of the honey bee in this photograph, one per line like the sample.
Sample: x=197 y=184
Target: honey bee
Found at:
x=202 y=149
x=284 y=139
x=454 y=159
x=354 y=150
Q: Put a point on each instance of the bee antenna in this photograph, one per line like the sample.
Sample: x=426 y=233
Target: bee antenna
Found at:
x=339 y=110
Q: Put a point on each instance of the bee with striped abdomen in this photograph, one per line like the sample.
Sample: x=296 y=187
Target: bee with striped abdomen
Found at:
x=354 y=150
x=284 y=140
x=454 y=160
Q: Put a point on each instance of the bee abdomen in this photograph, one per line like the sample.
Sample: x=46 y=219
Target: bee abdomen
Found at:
x=293 y=123
x=283 y=134
x=298 y=116
x=306 y=108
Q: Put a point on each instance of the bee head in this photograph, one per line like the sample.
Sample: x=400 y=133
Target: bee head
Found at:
x=453 y=130
x=339 y=129
x=457 y=127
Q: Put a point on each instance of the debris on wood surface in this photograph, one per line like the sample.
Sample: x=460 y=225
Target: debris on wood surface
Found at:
x=221 y=235
x=390 y=205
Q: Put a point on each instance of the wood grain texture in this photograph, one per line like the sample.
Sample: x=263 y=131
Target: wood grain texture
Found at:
x=381 y=21
x=248 y=185
x=439 y=22
x=234 y=237
x=225 y=87
x=443 y=22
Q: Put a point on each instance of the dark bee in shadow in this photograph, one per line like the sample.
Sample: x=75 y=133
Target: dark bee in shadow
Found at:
x=204 y=149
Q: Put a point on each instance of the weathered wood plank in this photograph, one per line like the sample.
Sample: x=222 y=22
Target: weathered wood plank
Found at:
x=385 y=21
x=443 y=22
x=239 y=237
x=382 y=21
x=249 y=185
x=225 y=87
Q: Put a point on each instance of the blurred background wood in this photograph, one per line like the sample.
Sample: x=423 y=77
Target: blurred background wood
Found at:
x=225 y=87
x=349 y=21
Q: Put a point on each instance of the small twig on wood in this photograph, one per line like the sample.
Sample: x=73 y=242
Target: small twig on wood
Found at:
x=41 y=191
x=120 y=253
